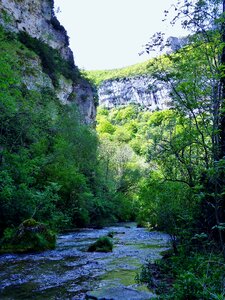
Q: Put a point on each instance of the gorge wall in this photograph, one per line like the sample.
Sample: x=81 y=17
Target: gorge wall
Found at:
x=34 y=22
x=134 y=84
x=140 y=89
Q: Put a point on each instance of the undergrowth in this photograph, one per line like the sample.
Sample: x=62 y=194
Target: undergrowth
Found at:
x=186 y=276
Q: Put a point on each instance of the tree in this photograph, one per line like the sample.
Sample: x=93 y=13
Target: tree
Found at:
x=195 y=76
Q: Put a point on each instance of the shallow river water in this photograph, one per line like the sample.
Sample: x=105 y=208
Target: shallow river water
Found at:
x=70 y=272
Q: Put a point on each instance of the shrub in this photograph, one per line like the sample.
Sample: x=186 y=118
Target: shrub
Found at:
x=187 y=276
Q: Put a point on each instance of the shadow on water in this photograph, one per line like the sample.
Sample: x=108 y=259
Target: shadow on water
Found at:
x=70 y=272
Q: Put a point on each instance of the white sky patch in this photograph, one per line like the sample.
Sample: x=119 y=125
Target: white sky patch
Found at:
x=107 y=34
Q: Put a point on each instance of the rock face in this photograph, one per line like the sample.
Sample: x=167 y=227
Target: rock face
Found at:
x=140 y=90
x=86 y=100
x=176 y=43
x=36 y=19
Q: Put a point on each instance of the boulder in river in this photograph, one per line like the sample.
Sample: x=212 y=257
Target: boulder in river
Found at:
x=103 y=244
x=31 y=236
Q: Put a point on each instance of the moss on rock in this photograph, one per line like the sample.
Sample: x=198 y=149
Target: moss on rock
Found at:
x=31 y=236
x=103 y=244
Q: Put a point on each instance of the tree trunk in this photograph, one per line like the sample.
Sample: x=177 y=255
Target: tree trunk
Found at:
x=222 y=97
x=219 y=169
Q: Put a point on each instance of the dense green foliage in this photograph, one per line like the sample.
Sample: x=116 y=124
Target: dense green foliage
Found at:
x=162 y=183
x=50 y=167
x=195 y=77
x=189 y=275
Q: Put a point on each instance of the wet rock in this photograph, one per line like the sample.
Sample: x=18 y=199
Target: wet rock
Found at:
x=111 y=234
x=118 y=293
x=103 y=244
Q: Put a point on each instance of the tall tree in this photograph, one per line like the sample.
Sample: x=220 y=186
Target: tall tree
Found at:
x=222 y=81
x=195 y=76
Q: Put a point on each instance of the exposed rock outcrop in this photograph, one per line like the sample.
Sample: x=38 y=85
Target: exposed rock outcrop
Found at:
x=30 y=236
x=176 y=43
x=143 y=89
x=140 y=90
x=36 y=17
x=35 y=20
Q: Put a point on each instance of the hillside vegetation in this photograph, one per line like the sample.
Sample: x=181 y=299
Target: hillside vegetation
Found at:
x=98 y=76
x=49 y=164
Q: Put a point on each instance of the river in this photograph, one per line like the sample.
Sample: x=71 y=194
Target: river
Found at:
x=70 y=272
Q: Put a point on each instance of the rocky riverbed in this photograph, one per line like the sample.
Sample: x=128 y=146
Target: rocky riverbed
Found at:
x=70 y=272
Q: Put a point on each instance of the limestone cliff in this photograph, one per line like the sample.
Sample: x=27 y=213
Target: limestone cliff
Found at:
x=134 y=84
x=140 y=89
x=34 y=22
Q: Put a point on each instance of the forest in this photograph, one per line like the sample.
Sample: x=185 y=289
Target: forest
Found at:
x=164 y=170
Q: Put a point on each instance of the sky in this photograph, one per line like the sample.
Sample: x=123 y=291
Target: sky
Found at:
x=108 y=34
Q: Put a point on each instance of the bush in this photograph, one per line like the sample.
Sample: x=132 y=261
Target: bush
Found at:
x=187 y=276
